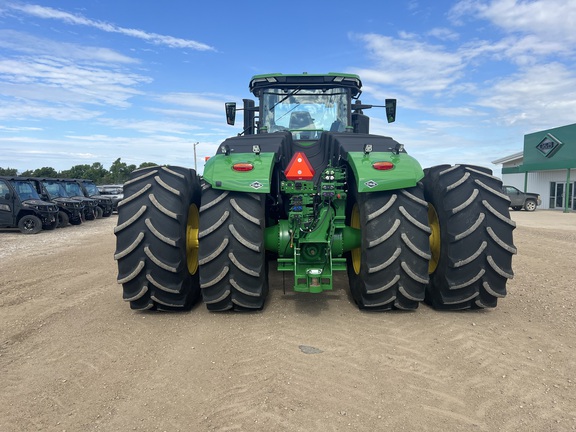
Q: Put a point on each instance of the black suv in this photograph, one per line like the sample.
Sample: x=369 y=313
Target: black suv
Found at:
x=21 y=207
x=52 y=190
x=521 y=200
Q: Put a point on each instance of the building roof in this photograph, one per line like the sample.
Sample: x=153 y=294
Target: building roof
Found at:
x=510 y=158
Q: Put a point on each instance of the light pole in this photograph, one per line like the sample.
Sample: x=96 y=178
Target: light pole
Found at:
x=195 y=165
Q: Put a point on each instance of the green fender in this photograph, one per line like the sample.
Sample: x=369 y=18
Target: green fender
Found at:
x=219 y=172
x=406 y=171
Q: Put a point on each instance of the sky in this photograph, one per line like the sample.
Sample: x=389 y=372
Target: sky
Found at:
x=96 y=80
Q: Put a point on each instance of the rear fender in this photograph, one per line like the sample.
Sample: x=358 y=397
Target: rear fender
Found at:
x=405 y=173
x=219 y=172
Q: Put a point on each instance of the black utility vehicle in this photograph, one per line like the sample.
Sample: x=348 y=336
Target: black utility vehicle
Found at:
x=104 y=203
x=52 y=190
x=22 y=208
x=74 y=191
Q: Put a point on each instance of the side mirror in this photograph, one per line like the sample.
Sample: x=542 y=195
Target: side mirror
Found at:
x=230 y=112
x=391 y=110
x=8 y=196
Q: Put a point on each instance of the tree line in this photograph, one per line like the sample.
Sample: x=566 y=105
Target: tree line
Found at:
x=117 y=174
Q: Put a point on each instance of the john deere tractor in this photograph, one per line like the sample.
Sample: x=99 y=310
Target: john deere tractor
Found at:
x=306 y=188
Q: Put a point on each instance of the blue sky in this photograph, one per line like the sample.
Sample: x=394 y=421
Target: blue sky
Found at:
x=93 y=80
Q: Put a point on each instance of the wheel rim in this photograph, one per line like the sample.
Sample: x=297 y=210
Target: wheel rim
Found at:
x=434 y=238
x=530 y=206
x=192 y=239
x=356 y=253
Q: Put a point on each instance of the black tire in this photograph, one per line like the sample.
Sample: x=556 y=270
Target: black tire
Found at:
x=471 y=241
x=90 y=215
x=63 y=219
x=76 y=221
x=390 y=269
x=530 y=205
x=51 y=226
x=517 y=208
x=30 y=224
x=232 y=257
x=157 y=239
x=98 y=212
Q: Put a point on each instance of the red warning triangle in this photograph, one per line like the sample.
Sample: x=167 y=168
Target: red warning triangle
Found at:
x=299 y=168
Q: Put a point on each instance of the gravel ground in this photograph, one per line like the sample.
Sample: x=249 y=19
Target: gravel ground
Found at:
x=74 y=357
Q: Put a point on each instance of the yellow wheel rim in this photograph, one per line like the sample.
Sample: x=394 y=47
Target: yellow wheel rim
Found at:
x=434 y=238
x=192 y=239
x=356 y=253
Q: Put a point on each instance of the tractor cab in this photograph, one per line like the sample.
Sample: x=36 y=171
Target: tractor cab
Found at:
x=306 y=105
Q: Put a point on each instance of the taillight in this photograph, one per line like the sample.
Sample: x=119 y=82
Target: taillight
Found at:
x=383 y=166
x=299 y=168
x=243 y=166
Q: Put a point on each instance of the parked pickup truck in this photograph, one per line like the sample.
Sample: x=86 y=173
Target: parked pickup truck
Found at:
x=521 y=200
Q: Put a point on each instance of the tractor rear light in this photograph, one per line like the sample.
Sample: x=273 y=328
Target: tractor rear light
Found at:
x=383 y=166
x=243 y=166
x=299 y=168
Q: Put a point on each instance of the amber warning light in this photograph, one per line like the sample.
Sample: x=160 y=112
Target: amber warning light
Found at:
x=299 y=168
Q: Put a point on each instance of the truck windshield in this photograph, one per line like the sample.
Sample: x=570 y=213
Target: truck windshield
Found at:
x=25 y=190
x=55 y=189
x=305 y=112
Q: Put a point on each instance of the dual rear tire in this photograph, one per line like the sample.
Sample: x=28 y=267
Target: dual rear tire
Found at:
x=156 y=238
x=447 y=241
x=232 y=256
x=471 y=239
x=390 y=269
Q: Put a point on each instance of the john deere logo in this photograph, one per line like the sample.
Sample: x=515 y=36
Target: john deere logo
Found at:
x=256 y=185
x=549 y=145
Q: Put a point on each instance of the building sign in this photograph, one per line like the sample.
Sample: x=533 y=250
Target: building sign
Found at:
x=549 y=145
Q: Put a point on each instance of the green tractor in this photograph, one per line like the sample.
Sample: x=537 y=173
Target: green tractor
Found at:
x=307 y=188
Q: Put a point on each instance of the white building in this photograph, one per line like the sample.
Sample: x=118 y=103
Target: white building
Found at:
x=547 y=166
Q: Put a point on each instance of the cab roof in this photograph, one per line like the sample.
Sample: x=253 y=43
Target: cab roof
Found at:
x=306 y=80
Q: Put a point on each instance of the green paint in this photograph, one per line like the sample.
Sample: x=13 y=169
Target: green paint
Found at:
x=218 y=172
x=407 y=172
x=559 y=154
x=311 y=243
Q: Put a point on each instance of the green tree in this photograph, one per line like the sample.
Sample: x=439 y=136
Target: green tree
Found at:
x=146 y=165
x=120 y=171
x=77 y=171
x=45 y=172
x=97 y=172
x=8 y=171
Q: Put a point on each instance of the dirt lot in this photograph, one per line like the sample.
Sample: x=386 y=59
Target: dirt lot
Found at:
x=74 y=357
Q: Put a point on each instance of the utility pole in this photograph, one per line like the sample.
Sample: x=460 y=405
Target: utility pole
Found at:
x=195 y=164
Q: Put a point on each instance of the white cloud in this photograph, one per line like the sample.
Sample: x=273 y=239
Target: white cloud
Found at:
x=29 y=110
x=25 y=152
x=205 y=101
x=149 y=126
x=27 y=44
x=58 y=81
x=412 y=64
x=68 y=18
x=444 y=34
x=541 y=96
x=551 y=20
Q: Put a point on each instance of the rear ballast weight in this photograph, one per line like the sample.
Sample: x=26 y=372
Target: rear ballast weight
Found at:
x=307 y=188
